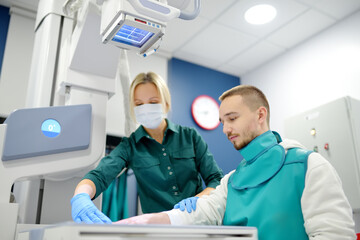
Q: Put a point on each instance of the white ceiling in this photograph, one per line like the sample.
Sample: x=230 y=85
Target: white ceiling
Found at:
x=219 y=38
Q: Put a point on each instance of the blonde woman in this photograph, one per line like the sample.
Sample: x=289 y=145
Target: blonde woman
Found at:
x=169 y=161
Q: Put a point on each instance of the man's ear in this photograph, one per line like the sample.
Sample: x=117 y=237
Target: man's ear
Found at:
x=262 y=114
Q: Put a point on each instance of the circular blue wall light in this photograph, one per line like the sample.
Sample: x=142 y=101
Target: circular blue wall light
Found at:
x=51 y=128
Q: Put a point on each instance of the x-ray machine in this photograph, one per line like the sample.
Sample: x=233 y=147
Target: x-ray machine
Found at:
x=73 y=72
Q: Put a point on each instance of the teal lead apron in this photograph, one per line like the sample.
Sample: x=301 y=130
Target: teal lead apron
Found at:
x=266 y=189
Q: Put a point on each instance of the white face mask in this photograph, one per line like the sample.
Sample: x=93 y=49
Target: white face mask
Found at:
x=149 y=115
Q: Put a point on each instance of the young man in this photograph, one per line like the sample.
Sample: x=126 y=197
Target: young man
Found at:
x=279 y=187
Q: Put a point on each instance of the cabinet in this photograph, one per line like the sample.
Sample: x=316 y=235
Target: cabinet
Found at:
x=333 y=130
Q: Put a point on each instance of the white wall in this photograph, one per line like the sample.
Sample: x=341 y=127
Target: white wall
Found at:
x=318 y=71
x=16 y=63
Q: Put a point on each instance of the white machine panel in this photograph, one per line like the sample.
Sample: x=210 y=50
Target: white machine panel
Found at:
x=333 y=130
x=138 y=232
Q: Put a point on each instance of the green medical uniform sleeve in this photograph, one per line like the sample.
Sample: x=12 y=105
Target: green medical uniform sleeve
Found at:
x=205 y=162
x=109 y=167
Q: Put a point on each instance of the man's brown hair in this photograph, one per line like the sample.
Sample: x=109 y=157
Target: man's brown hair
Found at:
x=252 y=96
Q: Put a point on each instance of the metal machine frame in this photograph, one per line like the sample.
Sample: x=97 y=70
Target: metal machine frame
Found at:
x=136 y=232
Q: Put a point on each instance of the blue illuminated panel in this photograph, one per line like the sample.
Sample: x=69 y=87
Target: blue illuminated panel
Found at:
x=51 y=128
x=132 y=36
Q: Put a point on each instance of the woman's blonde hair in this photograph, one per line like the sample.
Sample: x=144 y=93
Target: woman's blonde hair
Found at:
x=161 y=86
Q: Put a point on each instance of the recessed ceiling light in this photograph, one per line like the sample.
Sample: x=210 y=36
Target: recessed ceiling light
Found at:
x=260 y=14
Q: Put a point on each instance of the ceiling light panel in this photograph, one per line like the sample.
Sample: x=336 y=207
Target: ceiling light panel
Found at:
x=286 y=10
x=260 y=14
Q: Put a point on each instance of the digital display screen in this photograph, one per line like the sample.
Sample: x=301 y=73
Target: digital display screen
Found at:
x=132 y=36
x=51 y=128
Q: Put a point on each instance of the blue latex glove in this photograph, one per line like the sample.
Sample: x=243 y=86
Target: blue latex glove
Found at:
x=188 y=203
x=84 y=210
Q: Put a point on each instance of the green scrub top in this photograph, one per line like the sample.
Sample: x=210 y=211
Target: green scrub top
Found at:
x=166 y=173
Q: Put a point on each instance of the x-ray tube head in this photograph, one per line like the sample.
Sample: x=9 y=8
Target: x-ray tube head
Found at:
x=139 y=24
x=134 y=33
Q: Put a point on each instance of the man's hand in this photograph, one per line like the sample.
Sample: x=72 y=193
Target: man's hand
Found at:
x=151 y=218
x=188 y=203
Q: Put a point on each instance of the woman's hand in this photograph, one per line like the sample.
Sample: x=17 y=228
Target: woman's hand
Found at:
x=188 y=203
x=84 y=210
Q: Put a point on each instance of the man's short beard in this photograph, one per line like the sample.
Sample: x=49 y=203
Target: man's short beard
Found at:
x=246 y=141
